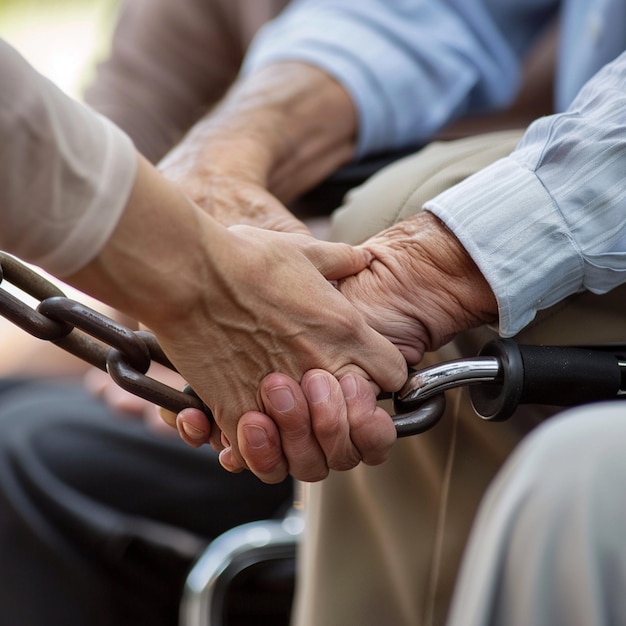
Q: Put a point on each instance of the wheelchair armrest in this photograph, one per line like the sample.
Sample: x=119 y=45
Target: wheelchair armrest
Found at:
x=234 y=556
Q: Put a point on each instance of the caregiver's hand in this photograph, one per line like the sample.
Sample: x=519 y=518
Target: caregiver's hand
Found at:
x=277 y=312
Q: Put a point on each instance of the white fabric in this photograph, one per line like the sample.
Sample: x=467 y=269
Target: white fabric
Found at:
x=65 y=172
x=547 y=547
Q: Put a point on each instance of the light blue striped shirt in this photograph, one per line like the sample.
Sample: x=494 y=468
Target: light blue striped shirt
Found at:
x=412 y=66
x=550 y=219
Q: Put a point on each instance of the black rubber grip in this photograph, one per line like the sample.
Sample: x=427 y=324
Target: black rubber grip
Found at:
x=568 y=376
x=552 y=375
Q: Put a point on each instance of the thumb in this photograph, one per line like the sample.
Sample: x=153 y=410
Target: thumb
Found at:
x=337 y=260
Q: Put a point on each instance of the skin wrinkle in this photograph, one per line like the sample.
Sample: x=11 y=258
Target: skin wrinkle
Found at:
x=430 y=305
x=252 y=327
x=440 y=264
x=290 y=141
x=286 y=159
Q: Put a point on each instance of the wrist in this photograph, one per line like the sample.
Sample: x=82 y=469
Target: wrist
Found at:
x=158 y=260
x=466 y=296
x=446 y=289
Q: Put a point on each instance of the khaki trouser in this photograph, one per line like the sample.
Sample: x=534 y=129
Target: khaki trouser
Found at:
x=383 y=544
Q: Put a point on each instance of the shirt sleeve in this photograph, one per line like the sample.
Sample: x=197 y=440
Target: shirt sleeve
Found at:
x=65 y=172
x=410 y=67
x=549 y=220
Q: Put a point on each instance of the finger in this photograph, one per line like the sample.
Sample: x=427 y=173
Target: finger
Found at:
x=226 y=461
x=168 y=417
x=193 y=427
x=337 y=260
x=371 y=429
x=329 y=417
x=261 y=446
x=382 y=361
x=285 y=403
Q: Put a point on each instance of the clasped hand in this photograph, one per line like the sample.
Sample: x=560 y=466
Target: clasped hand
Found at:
x=280 y=312
x=419 y=291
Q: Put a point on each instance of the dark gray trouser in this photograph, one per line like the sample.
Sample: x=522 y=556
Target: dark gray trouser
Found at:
x=99 y=518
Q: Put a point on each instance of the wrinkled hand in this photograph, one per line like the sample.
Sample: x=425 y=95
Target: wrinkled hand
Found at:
x=226 y=175
x=422 y=288
x=232 y=197
x=306 y=429
x=282 y=315
x=280 y=130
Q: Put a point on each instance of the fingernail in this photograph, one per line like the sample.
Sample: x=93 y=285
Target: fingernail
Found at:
x=226 y=461
x=255 y=436
x=318 y=388
x=348 y=386
x=281 y=399
x=192 y=432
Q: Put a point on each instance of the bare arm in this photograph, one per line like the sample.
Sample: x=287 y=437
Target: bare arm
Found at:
x=276 y=134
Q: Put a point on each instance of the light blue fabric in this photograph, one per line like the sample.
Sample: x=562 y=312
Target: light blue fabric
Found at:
x=593 y=34
x=550 y=220
x=412 y=66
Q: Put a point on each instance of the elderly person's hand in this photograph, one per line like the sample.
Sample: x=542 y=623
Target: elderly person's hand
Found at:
x=306 y=429
x=282 y=315
x=277 y=133
x=232 y=305
x=422 y=288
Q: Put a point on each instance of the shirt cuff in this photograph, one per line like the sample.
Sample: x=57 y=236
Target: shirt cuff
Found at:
x=109 y=185
x=514 y=231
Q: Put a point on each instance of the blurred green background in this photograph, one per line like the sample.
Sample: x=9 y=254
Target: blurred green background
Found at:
x=63 y=39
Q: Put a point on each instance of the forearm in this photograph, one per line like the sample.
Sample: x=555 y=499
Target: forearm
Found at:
x=158 y=276
x=229 y=306
x=285 y=128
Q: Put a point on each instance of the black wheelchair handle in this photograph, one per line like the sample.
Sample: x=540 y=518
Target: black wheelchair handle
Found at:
x=551 y=375
x=505 y=375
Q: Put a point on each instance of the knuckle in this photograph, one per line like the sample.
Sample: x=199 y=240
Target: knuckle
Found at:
x=345 y=464
x=311 y=475
x=328 y=429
